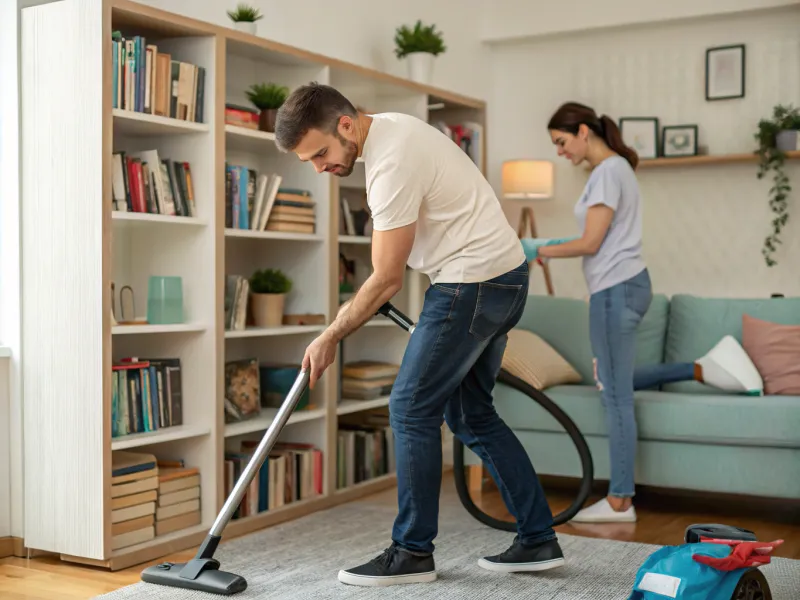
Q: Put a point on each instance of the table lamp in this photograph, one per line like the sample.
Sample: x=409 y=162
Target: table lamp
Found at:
x=529 y=180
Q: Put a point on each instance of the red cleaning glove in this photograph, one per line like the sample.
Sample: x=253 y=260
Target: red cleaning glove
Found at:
x=744 y=554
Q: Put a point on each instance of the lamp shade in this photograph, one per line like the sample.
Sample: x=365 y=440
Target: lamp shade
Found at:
x=527 y=179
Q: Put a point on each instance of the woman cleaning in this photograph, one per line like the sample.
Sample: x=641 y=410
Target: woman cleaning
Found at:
x=609 y=214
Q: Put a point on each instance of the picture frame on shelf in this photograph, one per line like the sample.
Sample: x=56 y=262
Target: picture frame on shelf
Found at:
x=679 y=140
x=725 y=72
x=641 y=134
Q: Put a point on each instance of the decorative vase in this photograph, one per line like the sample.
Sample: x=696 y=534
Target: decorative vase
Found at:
x=246 y=26
x=164 y=300
x=787 y=140
x=268 y=309
x=420 y=66
x=266 y=119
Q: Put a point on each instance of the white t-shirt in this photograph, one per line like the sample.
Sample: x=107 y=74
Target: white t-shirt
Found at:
x=416 y=173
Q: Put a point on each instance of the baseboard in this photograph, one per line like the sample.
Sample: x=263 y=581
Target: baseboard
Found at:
x=6 y=547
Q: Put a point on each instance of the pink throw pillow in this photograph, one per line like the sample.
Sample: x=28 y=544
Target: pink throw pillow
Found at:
x=775 y=351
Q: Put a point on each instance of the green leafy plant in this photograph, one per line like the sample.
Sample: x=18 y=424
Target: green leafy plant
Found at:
x=420 y=38
x=772 y=159
x=270 y=281
x=265 y=96
x=245 y=13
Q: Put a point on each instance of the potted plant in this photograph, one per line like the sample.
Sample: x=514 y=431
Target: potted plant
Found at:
x=268 y=98
x=268 y=290
x=244 y=18
x=775 y=137
x=419 y=46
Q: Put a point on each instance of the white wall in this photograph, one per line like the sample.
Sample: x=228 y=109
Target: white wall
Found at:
x=362 y=32
x=504 y=20
x=10 y=395
x=704 y=225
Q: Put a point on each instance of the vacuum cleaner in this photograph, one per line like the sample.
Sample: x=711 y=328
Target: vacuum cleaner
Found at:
x=202 y=573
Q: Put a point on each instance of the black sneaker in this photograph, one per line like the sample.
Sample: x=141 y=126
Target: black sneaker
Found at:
x=395 y=565
x=543 y=556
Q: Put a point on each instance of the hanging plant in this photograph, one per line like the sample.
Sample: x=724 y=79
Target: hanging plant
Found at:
x=771 y=158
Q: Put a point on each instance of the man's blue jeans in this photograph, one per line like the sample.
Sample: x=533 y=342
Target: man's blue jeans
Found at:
x=448 y=372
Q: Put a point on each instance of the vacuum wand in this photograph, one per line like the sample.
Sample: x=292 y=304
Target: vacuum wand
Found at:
x=395 y=315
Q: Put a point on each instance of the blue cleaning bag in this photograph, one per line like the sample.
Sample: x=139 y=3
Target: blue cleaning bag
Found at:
x=671 y=573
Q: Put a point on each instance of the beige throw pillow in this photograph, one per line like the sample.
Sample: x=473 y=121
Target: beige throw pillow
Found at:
x=533 y=360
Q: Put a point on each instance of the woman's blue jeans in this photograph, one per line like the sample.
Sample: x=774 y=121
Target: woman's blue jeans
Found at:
x=614 y=316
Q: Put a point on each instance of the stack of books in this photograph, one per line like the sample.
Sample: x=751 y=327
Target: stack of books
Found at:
x=368 y=380
x=178 y=498
x=364 y=448
x=134 y=492
x=293 y=212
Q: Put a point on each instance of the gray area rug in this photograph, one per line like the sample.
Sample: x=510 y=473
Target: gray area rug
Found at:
x=299 y=560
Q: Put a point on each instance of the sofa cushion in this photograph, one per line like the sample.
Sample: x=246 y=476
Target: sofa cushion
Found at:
x=775 y=351
x=696 y=324
x=564 y=324
x=533 y=360
x=710 y=418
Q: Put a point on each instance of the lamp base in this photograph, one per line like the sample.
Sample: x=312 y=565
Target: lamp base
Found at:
x=526 y=220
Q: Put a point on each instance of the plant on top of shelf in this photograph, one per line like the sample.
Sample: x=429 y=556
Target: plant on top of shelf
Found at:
x=245 y=17
x=268 y=288
x=419 y=46
x=775 y=136
x=268 y=98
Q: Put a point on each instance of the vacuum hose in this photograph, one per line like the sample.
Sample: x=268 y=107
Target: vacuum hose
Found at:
x=506 y=378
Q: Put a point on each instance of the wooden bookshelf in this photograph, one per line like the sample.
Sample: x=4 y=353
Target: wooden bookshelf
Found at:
x=706 y=159
x=78 y=242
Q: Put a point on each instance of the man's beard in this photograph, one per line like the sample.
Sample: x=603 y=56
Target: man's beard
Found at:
x=351 y=150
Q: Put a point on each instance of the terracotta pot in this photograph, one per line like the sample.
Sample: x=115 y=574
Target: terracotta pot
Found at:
x=268 y=309
x=266 y=119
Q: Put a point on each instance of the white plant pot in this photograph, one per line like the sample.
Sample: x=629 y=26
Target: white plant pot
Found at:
x=420 y=66
x=246 y=26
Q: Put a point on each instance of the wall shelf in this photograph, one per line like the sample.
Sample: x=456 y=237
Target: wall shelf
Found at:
x=706 y=159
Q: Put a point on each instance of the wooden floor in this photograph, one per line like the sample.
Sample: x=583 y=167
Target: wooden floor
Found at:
x=659 y=523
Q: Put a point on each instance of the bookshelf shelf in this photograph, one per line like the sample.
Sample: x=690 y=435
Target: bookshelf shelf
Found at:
x=708 y=159
x=134 y=123
x=350 y=406
x=248 y=140
x=119 y=216
x=109 y=155
x=263 y=421
x=153 y=329
x=167 y=434
x=355 y=239
x=271 y=331
x=273 y=235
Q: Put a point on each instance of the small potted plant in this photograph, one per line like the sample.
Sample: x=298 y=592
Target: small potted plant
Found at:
x=268 y=290
x=268 y=98
x=244 y=18
x=419 y=46
x=775 y=137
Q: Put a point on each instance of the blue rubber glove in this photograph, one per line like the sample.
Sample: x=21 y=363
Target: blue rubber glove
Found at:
x=531 y=245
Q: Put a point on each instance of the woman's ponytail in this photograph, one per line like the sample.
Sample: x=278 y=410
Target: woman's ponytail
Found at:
x=571 y=115
x=613 y=137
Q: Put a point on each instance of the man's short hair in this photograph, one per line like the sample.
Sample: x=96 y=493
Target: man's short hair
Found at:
x=311 y=106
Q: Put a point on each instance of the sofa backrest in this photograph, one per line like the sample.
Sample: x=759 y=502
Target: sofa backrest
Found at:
x=696 y=324
x=564 y=324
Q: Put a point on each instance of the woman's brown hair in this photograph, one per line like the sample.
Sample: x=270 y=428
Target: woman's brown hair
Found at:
x=571 y=115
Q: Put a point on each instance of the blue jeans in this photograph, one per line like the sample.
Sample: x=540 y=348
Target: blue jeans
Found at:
x=614 y=315
x=448 y=372
x=647 y=377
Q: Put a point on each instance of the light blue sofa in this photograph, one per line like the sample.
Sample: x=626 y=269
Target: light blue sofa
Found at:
x=691 y=436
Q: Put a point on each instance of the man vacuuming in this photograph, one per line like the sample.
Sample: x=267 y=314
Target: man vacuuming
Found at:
x=432 y=210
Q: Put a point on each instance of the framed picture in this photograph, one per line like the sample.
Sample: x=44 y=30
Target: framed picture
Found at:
x=725 y=72
x=679 y=140
x=641 y=134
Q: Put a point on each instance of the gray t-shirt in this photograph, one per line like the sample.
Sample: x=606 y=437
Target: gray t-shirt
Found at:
x=613 y=183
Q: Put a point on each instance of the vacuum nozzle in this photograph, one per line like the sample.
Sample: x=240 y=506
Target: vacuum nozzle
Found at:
x=204 y=577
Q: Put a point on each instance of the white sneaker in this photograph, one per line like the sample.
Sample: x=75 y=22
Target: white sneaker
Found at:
x=728 y=367
x=601 y=512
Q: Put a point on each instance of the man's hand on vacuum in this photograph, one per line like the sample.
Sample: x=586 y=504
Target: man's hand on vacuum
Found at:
x=319 y=356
